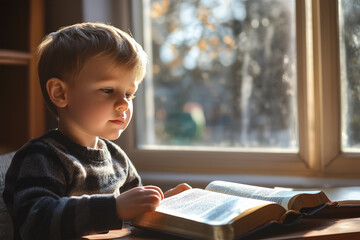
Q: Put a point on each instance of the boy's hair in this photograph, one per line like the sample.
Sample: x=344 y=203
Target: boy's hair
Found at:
x=64 y=53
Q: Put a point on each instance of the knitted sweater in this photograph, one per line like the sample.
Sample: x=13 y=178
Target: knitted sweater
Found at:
x=58 y=189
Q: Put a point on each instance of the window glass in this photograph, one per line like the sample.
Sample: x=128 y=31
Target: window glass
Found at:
x=222 y=74
x=349 y=19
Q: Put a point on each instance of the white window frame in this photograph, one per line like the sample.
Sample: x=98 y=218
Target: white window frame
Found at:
x=320 y=158
x=327 y=92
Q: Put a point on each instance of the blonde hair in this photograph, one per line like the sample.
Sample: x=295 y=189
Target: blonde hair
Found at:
x=63 y=53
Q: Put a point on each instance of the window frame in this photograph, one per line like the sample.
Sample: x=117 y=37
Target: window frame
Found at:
x=327 y=79
x=319 y=153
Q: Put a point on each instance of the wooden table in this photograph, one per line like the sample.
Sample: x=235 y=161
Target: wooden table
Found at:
x=307 y=228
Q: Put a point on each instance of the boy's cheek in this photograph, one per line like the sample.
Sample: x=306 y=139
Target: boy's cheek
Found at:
x=129 y=114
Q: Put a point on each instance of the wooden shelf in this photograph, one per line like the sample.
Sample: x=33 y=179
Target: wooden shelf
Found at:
x=20 y=94
x=8 y=57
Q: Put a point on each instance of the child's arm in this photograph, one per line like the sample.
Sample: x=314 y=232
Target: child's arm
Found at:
x=36 y=194
x=137 y=201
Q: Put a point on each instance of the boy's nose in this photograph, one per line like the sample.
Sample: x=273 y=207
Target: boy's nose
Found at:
x=122 y=104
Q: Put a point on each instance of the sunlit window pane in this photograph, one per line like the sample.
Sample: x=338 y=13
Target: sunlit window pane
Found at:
x=349 y=18
x=223 y=74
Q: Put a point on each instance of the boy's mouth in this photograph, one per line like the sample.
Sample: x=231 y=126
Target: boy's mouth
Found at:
x=118 y=121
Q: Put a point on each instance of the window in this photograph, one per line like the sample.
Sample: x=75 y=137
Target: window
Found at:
x=223 y=74
x=247 y=87
x=349 y=12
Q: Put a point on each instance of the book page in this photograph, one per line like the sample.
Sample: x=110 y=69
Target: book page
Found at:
x=206 y=206
x=344 y=195
x=280 y=196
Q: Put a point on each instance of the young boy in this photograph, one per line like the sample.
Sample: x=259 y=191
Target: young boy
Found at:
x=74 y=181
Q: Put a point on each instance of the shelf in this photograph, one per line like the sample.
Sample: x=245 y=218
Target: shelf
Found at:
x=8 y=57
x=21 y=100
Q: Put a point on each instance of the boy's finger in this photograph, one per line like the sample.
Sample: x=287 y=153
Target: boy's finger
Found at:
x=183 y=186
x=178 y=189
x=160 y=192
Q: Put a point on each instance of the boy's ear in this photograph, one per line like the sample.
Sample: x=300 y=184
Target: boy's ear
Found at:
x=56 y=89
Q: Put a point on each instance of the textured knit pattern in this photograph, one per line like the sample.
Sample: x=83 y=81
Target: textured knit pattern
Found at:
x=6 y=231
x=57 y=189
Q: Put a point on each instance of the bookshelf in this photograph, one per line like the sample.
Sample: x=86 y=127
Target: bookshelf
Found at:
x=22 y=114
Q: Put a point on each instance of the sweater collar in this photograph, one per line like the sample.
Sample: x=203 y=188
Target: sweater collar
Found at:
x=78 y=150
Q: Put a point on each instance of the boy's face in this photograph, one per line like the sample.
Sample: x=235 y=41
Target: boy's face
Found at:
x=99 y=102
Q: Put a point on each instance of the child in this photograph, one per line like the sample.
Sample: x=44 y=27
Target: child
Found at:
x=73 y=181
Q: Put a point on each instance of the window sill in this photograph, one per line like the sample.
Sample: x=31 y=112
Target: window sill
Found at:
x=169 y=180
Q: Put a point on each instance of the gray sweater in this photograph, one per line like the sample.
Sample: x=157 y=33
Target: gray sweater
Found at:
x=58 y=189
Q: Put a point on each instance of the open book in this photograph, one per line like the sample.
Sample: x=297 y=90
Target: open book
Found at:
x=226 y=210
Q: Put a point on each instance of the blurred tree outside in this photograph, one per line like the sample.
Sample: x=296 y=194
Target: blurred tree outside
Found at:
x=349 y=14
x=224 y=73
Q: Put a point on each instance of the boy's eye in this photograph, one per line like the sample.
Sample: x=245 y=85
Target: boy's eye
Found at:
x=107 y=90
x=130 y=96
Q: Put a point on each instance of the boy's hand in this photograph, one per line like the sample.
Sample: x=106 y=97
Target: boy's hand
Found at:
x=178 y=189
x=137 y=201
